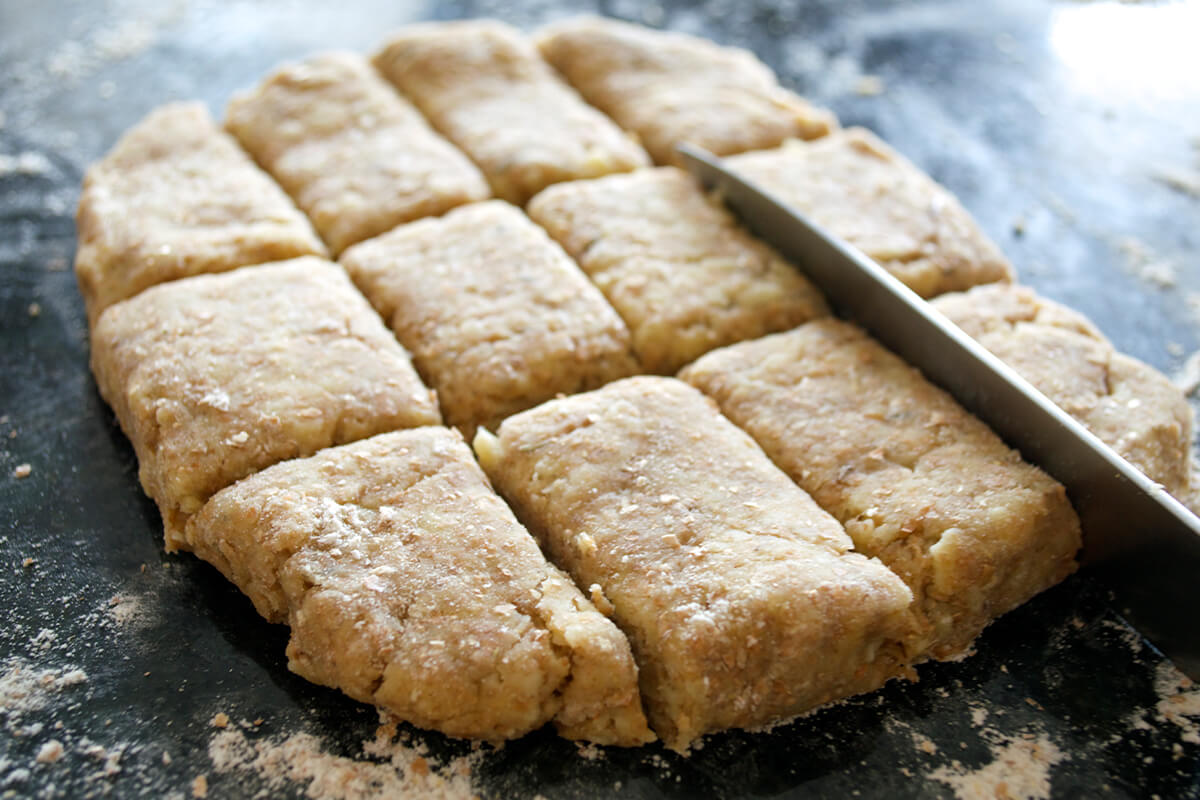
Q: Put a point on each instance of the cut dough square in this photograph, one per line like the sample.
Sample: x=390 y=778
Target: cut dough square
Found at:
x=495 y=314
x=675 y=264
x=357 y=157
x=917 y=481
x=741 y=598
x=670 y=88
x=484 y=86
x=866 y=193
x=217 y=376
x=409 y=584
x=1131 y=406
x=177 y=197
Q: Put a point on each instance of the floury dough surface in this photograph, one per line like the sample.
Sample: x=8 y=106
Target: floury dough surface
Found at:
x=677 y=266
x=670 y=88
x=177 y=197
x=483 y=84
x=409 y=584
x=357 y=157
x=496 y=316
x=917 y=481
x=217 y=376
x=1131 y=406
x=739 y=595
x=861 y=190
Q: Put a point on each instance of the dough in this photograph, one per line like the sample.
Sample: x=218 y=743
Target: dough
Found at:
x=496 y=315
x=409 y=584
x=675 y=264
x=739 y=595
x=917 y=481
x=485 y=87
x=670 y=88
x=356 y=157
x=176 y=197
x=866 y=193
x=215 y=377
x=1129 y=405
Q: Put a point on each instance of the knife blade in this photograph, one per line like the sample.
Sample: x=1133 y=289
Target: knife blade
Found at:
x=1142 y=542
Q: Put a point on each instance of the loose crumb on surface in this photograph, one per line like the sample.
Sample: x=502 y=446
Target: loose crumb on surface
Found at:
x=869 y=86
x=50 y=752
x=35 y=309
x=28 y=562
x=1020 y=767
x=200 y=786
x=22 y=471
x=220 y=720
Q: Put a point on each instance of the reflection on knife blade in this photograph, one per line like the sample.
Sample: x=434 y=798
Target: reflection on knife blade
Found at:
x=1144 y=543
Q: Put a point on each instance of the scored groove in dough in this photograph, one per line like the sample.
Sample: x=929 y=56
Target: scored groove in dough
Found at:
x=409 y=584
x=357 y=157
x=739 y=595
x=217 y=376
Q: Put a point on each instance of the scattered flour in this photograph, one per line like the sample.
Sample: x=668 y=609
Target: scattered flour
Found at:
x=1179 y=701
x=1020 y=767
x=393 y=769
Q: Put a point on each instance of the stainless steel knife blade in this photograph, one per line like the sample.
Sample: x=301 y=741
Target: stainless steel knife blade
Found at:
x=1144 y=543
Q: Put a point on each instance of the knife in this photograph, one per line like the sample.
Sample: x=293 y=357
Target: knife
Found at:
x=1143 y=543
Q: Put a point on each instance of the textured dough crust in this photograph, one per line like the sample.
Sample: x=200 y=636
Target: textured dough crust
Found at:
x=484 y=86
x=916 y=480
x=670 y=88
x=495 y=314
x=177 y=197
x=858 y=188
x=217 y=376
x=357 y=157
x=675 y=264
x=409 y=584
x=739 y=595
x=1131 y=406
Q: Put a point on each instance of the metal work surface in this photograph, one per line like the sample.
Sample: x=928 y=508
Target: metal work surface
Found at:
x=1071 y=131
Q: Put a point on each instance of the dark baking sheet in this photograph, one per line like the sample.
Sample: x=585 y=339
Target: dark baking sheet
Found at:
x=1071 y=130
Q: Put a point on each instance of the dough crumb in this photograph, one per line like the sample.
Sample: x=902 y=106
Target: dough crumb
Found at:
x=869 y=86
x=35 y=309
x=22 y=471
x=220 y=720
x=50 y=752
x=200 y=786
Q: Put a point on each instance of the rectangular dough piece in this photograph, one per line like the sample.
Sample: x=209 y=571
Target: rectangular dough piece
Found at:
x=1129 y=405
x=177 y=197
x=409 y=584
x=484 y=86
x=859 y=189
x=495 y=314
x=217 y=376
x=917 y=481
x=676 y=265
x=357 y=157
x=670 y=88
x=741 y=598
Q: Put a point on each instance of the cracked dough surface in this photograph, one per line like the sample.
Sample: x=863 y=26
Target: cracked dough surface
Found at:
x=217 y=376
x=860 y=189
x=677 y=266
x=670 y=87
x=484 y=86
x=357 y=157
x=497 y=317
x=917 y=481
x=176 y=197
x=409 y=584
x=739 y=595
